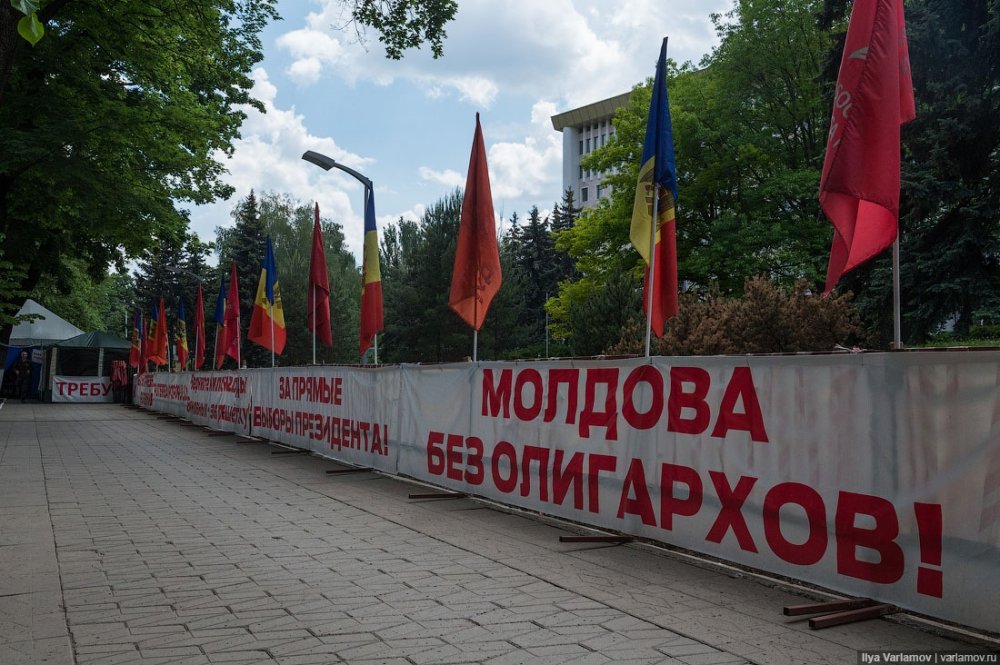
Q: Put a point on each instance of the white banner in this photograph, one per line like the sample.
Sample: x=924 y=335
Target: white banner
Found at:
x=348 y=414
x=877 y=475
x=81 y=389
x=220 y=400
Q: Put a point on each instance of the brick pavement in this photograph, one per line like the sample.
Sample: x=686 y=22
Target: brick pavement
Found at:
x=127 y=538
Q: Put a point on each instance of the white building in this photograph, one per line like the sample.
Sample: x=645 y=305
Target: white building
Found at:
x=584 y=130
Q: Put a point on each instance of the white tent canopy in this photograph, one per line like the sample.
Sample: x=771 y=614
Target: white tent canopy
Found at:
x=48 y=329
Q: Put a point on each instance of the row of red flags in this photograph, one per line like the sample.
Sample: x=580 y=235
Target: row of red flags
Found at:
x=475 y=281
x=859 y=193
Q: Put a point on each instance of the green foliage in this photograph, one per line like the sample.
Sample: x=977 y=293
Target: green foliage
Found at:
x=768 y=318
x=597 y=320
x=115 y=119
x=404 y=24
x=89 y=304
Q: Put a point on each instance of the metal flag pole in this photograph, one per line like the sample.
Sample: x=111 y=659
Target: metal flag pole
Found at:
x=239 y=344
x=313 y=287
x=650 y=283
x=270 y=315
x=897 y=333
x=375 y=341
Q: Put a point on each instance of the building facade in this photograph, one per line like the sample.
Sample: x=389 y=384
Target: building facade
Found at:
x=584 y=130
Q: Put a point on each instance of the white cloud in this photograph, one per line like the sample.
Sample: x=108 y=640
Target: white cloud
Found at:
x=268 y=157
x=448 y=178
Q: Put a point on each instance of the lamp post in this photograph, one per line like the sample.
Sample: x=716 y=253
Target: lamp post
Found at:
x=327 y=163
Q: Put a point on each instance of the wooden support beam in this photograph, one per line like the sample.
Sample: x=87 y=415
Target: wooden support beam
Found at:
x=438 y=495
x=827 y=607
x=595 y=539
x=850 y=616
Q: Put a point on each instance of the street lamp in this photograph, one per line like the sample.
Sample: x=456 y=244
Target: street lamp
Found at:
x=327 y=163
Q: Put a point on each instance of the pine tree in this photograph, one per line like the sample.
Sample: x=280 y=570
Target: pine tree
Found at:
x=244 y=244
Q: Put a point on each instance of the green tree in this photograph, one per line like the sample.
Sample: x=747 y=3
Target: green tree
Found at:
x=120 y=115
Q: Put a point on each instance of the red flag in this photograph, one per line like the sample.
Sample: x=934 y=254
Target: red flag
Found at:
x=199 y=330
x=143 y=345
x=232 y=328
x=859 y=188
x=319 y=288
x=160 y=342
x=476 y=277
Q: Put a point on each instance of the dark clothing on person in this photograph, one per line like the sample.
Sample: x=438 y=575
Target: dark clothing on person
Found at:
x=22 y=378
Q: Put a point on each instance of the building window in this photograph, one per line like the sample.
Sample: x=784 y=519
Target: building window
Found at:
x=584 y=197
x=588 y=144
x=581 y=146
x=604 y=139
x=581 y=174
x=598 y=192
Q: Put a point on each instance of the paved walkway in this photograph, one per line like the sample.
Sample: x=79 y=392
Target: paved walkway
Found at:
x=127 y=538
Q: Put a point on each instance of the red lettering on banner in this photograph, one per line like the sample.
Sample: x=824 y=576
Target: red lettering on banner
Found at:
x=880 y=538
x=540 y=455
x=731 y=510
x=571 y=379
x=505 y=449
x=670 y=504
x=565 y=476
x=496 y=397
x=812 y=550
x=595 y=465
x=681 y=400
x=687 y=405
x=648 y=419
x=590 y=416
x=930 y=582
x=453 y=456
x=522 y=410
x=475 y=472
x=750 y=420
x=640 y=504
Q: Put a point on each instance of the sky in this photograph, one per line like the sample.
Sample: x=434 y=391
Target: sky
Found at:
x=408 y=125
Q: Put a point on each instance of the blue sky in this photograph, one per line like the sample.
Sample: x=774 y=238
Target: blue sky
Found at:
x=408 y=124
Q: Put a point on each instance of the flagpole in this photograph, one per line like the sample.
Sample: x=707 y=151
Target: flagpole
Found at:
x=215 y=350
x=651 y=277
x=313 y=287
x=375 y=340
x=239 y=343
x=270 y=315
x=897 y=334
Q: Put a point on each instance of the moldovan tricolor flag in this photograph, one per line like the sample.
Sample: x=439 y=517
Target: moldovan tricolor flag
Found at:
x=233 y=316
x=318 y=316
x=476 y=276
x=657 y=168
x=199 y=330
x=221 y=339
x=267 y=322
x=859 y=188
x=150 y=348
x=182 y=337
x=135 y=352
x=371 y=280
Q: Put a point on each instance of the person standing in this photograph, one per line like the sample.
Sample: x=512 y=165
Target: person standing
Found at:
x=22 y=376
